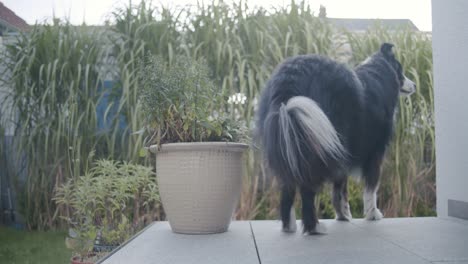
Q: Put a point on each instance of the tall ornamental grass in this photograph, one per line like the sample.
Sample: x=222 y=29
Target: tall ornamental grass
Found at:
x=53 y=75
x=56 y=73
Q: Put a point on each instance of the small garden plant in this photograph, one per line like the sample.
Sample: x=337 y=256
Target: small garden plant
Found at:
x=101 y=204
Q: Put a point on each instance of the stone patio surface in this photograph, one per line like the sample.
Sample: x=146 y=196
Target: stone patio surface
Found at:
x=391 y=240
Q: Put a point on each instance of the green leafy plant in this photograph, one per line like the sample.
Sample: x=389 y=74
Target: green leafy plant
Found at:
x=104 y=201
x=182 y=104
x=115 y=235
x=80 y=240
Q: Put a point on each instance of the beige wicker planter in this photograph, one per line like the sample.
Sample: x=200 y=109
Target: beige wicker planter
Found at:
x=199 y=184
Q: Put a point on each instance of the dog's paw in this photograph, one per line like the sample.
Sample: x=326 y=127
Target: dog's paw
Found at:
x=291 y=228
x=319 y=229
x=344 y=218
x=345 y=214
x=374 y=214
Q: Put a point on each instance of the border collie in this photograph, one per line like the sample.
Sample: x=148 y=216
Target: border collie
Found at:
x=319 y=120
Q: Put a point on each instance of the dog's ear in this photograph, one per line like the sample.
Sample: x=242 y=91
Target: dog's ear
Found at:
x=386 y=50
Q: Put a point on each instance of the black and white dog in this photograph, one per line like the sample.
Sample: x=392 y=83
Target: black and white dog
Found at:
x=318 y=120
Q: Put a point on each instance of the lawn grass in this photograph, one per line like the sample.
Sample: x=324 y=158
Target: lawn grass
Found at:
x=24 y=247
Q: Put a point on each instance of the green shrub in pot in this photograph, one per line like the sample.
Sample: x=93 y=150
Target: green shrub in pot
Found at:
x=196 y=141
x=182 y=104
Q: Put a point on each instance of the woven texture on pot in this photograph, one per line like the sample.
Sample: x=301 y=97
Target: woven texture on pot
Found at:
x=200 y=185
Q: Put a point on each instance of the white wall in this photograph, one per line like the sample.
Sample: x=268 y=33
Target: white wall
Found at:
x=450 y=54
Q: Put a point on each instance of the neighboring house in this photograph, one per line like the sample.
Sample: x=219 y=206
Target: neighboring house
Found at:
x=359 y=25
x=10 y=25
x=364 y=24
x=10 y=22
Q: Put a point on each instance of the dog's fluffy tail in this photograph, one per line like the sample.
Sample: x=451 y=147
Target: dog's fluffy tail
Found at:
x=296 y=134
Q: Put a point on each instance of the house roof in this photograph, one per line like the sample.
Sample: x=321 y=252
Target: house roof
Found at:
x=363 y=24
x=9 y=19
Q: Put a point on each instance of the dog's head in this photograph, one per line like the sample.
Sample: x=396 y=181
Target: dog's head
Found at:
x=407 y=87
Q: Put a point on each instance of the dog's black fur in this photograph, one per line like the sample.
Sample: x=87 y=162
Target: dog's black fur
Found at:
x=360 y=106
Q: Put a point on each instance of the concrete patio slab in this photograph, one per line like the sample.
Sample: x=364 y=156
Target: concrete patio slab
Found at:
x=343 y=243
x=451 y=262
x=391 y=240
x=158 y=244
x=435 y=239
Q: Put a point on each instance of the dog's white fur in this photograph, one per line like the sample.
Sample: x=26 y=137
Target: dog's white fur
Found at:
x=371 y=211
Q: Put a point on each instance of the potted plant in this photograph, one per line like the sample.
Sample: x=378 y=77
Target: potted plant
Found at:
x=197 y=144
x=80 y=241
x=100 y=206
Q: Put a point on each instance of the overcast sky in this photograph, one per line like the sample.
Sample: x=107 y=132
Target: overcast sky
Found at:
x=94 y=12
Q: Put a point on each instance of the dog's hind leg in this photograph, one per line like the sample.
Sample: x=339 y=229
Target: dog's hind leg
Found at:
x=371 y=175
x=340 y=200
x=370 y=203
x=288 y=216
x=309 y=214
